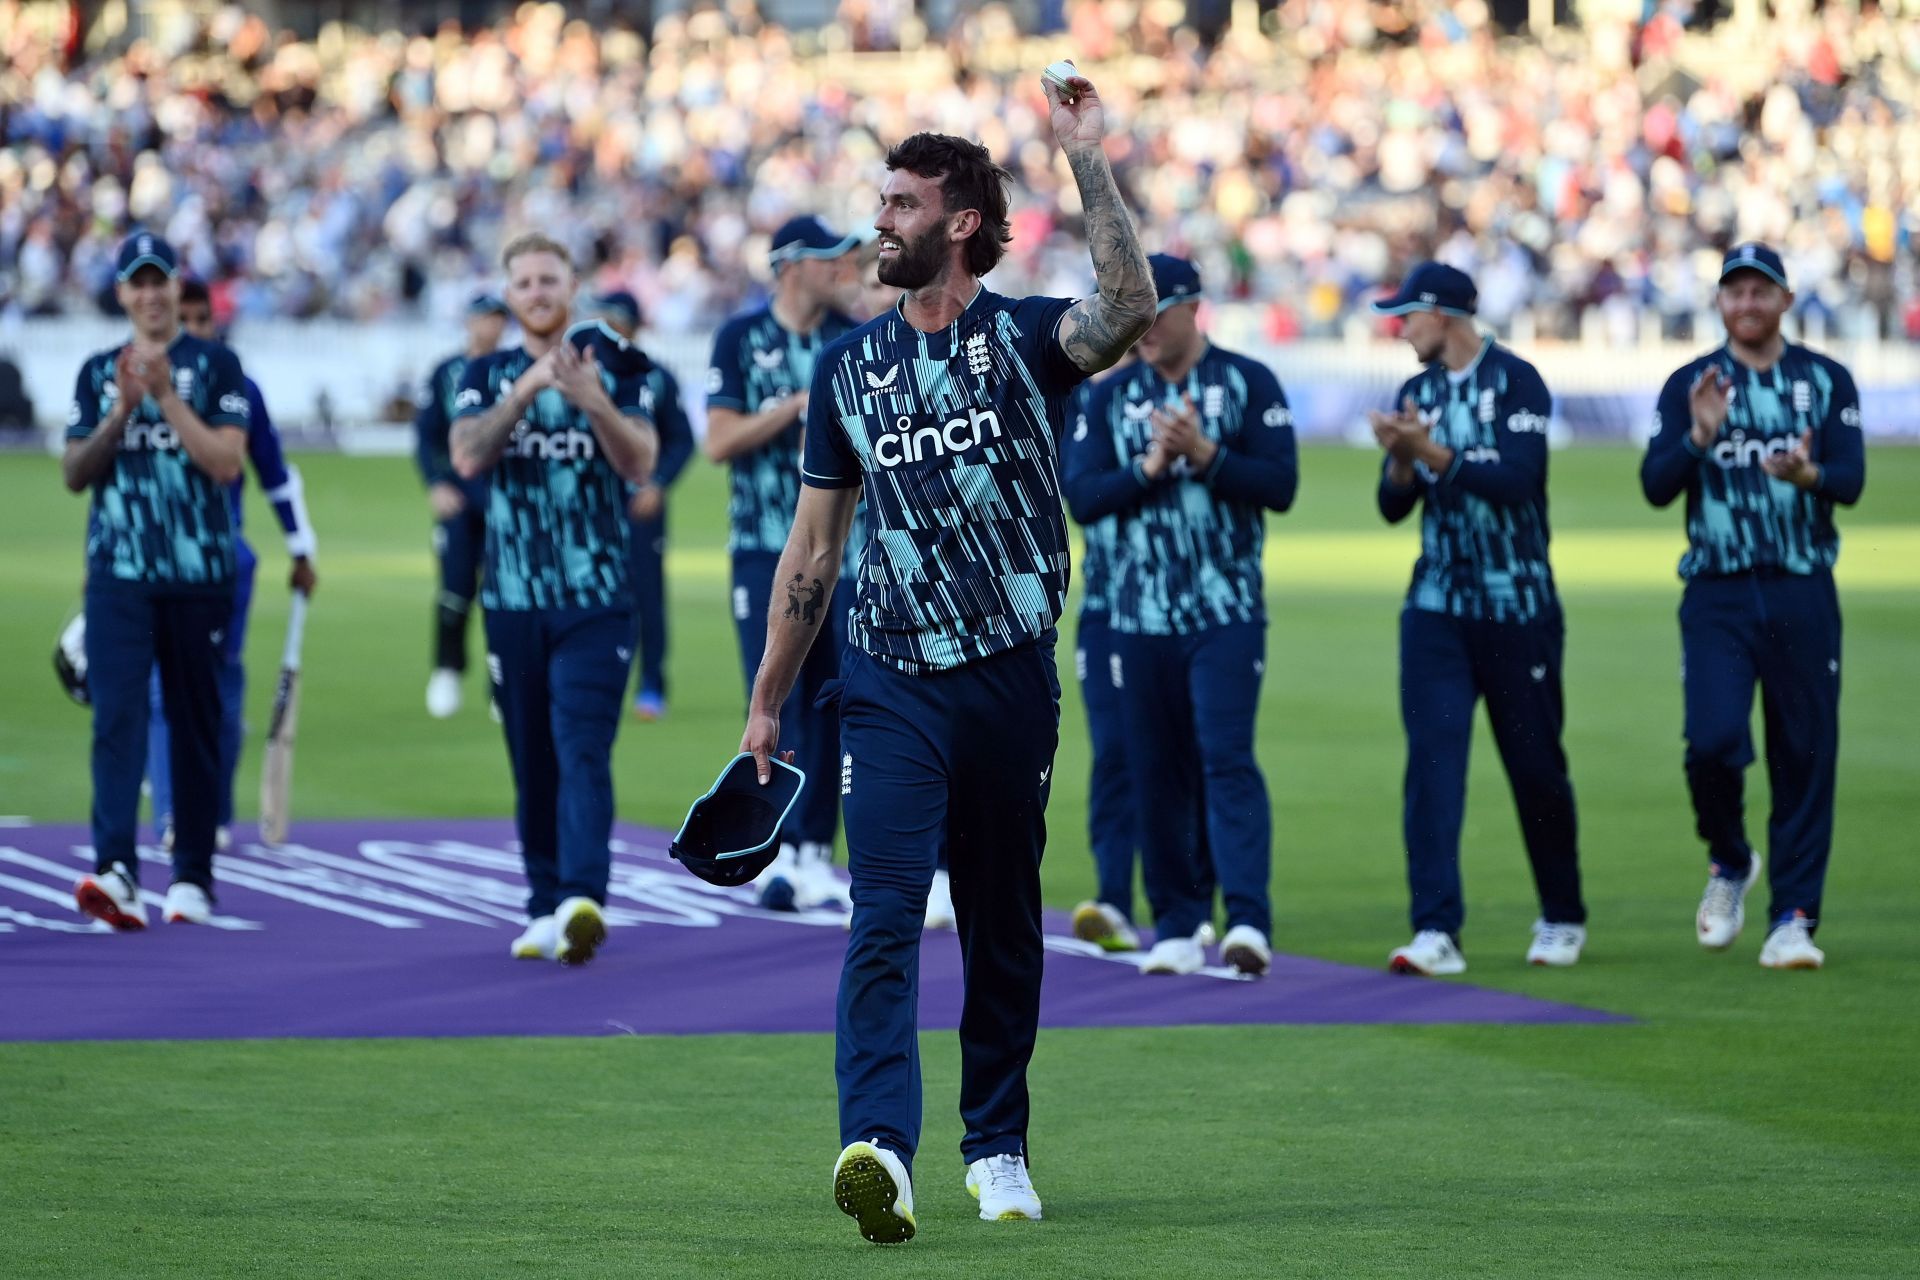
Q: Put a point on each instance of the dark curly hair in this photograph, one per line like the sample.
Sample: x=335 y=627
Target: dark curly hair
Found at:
x=969 y=179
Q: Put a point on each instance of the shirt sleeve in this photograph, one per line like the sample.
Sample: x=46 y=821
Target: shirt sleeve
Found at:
x=1396 y=501
x=676 y=434
x=430 y=427
x=475 y=396
x=828 y=461
x=83 y=415
x=629 y=396
x=1038 y=320
x=1672 y=460
x=1262 y=465
x=1841 y=450
x=1097 y=481
x=1519 y=475
x=263 y=442
x=726 y=380
x=227 y=396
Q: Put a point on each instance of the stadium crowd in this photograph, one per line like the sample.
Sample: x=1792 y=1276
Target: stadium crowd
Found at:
x=1589 y=181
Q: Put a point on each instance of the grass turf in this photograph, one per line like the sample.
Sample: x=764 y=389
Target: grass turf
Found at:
x=1751 y=1122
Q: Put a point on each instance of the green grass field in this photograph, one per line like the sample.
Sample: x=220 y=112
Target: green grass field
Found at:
x=1751 y=1123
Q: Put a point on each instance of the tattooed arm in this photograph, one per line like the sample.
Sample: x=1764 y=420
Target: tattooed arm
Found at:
x=802 y=588
x=1097 y=331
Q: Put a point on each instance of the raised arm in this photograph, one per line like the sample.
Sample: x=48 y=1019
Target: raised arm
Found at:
x=93 y=442
x=1097 y=331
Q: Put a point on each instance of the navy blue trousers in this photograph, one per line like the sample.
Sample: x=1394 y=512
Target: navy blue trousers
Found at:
x=130 y=632
x=647 y=571
x=560 y=677
x=1781 y=632
x=809 y=724
x=1190 y=703
x=233 y=703
x=460 y=543
x=1447 y=665
x=958 y=761
x=1112 y=825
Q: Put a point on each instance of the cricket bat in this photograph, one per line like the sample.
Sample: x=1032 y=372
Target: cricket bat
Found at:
x=276 y=772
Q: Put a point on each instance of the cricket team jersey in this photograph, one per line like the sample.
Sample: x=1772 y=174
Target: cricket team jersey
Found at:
x=1100 y=535
x=433 y=428
x=1739 y=518
x=757 y=361
x=660 y=403
x=159 y=521
x=955 y=435
x=556 y=511
x=1186 y=556
x=1483 y=523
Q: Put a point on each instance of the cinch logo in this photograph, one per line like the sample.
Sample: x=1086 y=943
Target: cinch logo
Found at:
x=1480 y=453
x=1526 y=421
x=1740 y=451
x=550 y=446
x=906 y=443
x=157 y=436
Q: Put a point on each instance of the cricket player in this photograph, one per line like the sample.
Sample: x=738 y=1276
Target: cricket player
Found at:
x=157 y=431
x=281 y=484
x=1468 y=445
x=1190 y=448
x=562 y=439
x=949 y=410
x=1763 y=437
x=647 y=509
x=757 y=383
x=459 y=506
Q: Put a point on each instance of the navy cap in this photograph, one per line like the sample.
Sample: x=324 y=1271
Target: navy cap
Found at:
x=144 y=249
x=615 y=354
x=1754 y=256
x=618 y=302
x=1175 y=279
x=1431 y=286
x=807 y=237
x=732 y=833
x=486 y=304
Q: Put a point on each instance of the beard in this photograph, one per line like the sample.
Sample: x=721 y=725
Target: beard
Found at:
x=918 y=263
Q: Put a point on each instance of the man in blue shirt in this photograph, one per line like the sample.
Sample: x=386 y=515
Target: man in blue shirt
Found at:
x=948 y=410
x=1468 y=445
x=157 y=432
x=281 y=484
x=1190 y=448
x=459 y=506
x=757 y=384
x=562 y=438
x=647 y=509
x=1763 y=437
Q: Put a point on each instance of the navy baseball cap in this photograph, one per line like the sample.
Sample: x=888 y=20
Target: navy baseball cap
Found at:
x=807 y=237
x=144 y=249
x=1175 y=279
x=1431 y=286
x=1754 y=256
x=732 y=833
x=619 y=302
x=486 y=304
x=616 y=355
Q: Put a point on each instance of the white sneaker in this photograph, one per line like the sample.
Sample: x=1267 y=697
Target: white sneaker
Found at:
x=1105 y=927
x=871 y=1186
x=940 y=902
x=581 y=930
x=1431 y=954
x=1180 y=956
x=779 y=885
x=443 y=693
x=113 y=897
x=1723 y=908
x=818 y=884
x=1790 y=946
x=222 y=839
x=1556 y=945
x=541 y=941
x=186 y=904
x=1005 y=1192
x=1246 y=949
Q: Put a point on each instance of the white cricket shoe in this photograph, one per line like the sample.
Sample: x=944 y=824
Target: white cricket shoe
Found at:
x=443 y=693
x=581 y=928
x=1005 y=1192
x=818 y=884
x=940 y=902
x=1246 y=949
x=222 y=839
x=1431 y=954
x=186 y=904
x=541 y=941
x=1556 y=945
x=779 y=885
x=1790 y=946
x=871 y=1186
x=1180 y=955
x=111 y=896
x=1105 y=927
x=1723 y=908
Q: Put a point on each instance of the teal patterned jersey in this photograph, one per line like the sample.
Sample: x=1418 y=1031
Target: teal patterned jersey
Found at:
x=158 y=520
x=1739 y=518
x=757 y=361
x=556 y=512
x=1101 y=535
